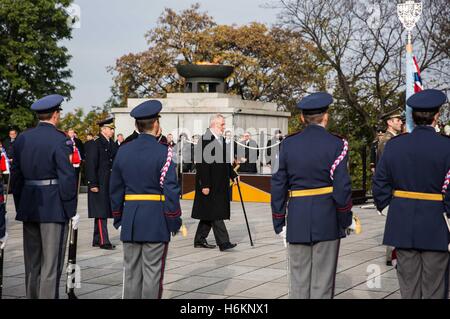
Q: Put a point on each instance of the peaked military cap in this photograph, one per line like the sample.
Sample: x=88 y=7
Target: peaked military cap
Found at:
x=147 y=110
x=395 y=114
x=48 y=104
x=109 y=122
x=315 y=103
x=427 y=100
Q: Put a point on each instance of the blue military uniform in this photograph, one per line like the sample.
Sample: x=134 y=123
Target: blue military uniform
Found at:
x=145 y=202
x=43 y=182
x=315 y=202
x=409 y=179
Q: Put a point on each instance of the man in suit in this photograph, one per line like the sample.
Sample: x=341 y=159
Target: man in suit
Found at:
x=78 y=154
x=412 y=179
x=99 y=160
x=120 y=139
x=313 y=185
x=247 y=155
x=145 y=199
x=212 y=183
x=44 y=185
x=9 y=143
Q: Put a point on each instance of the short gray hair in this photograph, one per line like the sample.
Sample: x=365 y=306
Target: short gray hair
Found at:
x=214 y=118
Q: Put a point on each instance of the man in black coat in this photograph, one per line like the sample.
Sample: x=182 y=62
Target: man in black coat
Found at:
x=99 y=159
x=247 y=155
x=273 y=151
x=131 y=137
x=8 y=146
x=212 y=183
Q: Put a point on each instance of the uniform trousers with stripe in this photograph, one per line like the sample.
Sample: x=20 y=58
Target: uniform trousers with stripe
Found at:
x=44 y=248
x=101 y=236
x=144 y=265
x=312 y=269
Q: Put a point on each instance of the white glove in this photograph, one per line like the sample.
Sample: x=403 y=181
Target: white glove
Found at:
x=3 y=241
x=282 y=234
x=120 y=229
x=75 y=221
x=352 y=228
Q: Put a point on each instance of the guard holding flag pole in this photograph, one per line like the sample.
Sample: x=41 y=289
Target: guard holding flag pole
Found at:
x=43 y=182
x=311 y=201
x=412 y=177
x=145 y=199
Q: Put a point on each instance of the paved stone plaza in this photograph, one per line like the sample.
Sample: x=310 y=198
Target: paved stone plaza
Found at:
x=193 y=273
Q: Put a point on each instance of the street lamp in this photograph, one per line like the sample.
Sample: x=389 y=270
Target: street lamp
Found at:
x=409 y=14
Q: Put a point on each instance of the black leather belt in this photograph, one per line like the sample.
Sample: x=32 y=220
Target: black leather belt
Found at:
x=41 y=182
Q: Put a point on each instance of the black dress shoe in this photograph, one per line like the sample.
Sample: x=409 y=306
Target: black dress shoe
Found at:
x=388 y=263
x=204 y=245
x=108 y=247
x=227 y=246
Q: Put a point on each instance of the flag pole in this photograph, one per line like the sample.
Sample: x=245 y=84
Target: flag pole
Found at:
x=409 y=13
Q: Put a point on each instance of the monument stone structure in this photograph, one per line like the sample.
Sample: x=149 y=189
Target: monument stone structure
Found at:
x=205 y=95
x=189 y=112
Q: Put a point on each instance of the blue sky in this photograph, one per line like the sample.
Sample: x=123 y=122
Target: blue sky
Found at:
x=112 y=28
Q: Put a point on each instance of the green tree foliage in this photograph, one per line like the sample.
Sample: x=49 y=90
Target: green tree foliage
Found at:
x=32 y=61
x=83 y=123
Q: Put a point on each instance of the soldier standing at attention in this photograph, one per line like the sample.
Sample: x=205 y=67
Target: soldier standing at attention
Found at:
x=99 y=160
x=313 y=188
x=45 y=194
x=145 y=199
x=394 y=127
x=412 y=178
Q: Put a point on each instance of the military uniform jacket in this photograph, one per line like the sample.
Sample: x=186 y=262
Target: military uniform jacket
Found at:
x=214 y=171
x=137 y=170
x=305 y=162
x=416 y=162
x=99 y=159
x=42 y=153
x=382 y=143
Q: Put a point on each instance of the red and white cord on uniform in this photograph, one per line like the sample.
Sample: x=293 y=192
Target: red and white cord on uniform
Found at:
x=166 y=166
x=446 y=183
x=339 y=159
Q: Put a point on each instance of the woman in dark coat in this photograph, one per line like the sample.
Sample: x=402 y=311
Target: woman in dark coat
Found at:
x=212 y=182
x=99 y=159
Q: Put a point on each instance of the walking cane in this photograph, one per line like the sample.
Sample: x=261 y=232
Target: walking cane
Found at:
x=243 y=208
x=72 y=254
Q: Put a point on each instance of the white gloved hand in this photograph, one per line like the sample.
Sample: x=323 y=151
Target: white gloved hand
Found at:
x=282 y=234
x=352 y=228
x=3 y=241
x=120 y=229
x=75 y=221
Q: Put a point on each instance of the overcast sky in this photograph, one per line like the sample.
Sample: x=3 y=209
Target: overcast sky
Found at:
x=112 y=28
